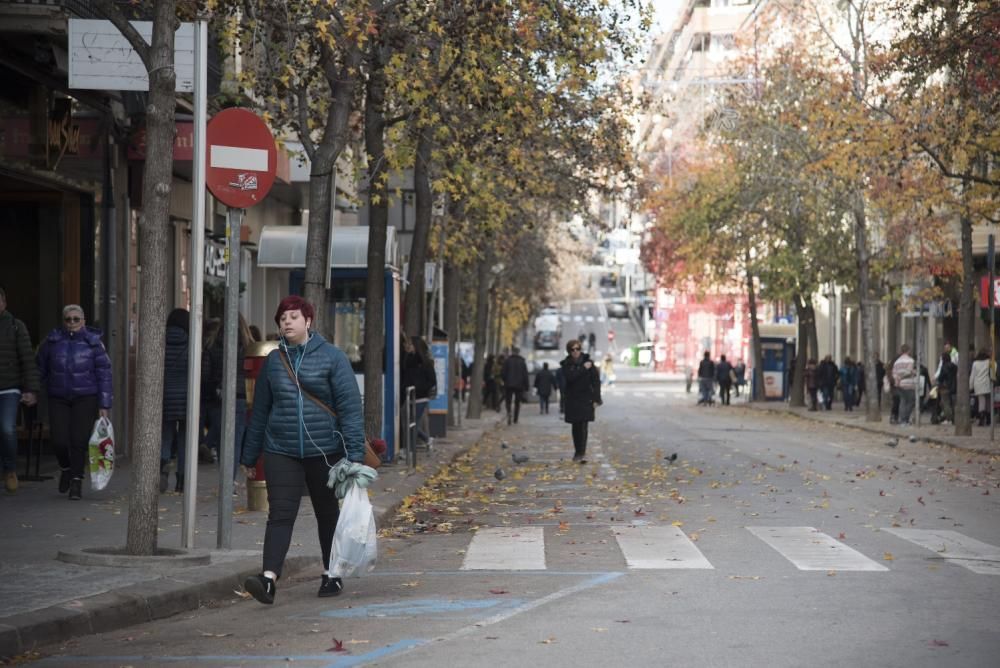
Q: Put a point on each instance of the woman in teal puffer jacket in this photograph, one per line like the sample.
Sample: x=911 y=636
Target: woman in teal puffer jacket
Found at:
x=300 y=438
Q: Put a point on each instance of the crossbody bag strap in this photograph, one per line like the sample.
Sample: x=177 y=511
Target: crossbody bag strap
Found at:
x=291 y=374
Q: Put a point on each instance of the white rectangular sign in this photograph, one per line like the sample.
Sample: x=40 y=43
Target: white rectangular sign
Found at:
x=238 y=157
x=100 y=58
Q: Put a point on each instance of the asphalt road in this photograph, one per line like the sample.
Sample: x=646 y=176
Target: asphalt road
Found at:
x=768 y=542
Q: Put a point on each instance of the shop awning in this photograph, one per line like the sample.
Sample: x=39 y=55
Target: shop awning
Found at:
x=284 y=247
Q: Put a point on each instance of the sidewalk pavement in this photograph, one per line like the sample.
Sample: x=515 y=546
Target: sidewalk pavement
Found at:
x=979 y=442
x=47 y=599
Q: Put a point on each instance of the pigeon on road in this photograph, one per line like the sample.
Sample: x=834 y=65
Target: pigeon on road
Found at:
x=519 y=459
x=503 y=445
x=893 y=443
x=671 y=458
x=499 y=474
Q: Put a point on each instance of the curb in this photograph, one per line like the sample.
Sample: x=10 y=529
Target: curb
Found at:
x=936 y=440
x=135 y=604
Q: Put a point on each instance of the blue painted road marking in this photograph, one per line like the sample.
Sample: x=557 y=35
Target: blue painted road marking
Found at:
x=426 y=606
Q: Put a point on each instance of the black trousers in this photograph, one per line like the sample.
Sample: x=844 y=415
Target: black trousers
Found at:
x=543 y=403
x=724 y=389
x=70 y=424
x=580 y=438
x=285 y=476
x=508 y=393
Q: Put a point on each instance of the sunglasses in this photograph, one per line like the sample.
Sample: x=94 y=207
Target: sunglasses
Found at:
x=73 y=319
x=575 y=350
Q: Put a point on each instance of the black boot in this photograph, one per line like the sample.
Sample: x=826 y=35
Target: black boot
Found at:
x=75 y=488
x=64 y=480
x=164 y=475
x=179 y=487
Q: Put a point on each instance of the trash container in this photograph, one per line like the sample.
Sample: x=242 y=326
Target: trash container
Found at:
x=633 y=358
x=256 y=354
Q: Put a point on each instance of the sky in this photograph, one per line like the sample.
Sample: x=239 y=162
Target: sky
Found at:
x=664 y=13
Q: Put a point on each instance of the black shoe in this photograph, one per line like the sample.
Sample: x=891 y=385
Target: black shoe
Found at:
x=64 y=480
x=330 y=586
x=75 y=486
x=179 y=487
x=260 y=587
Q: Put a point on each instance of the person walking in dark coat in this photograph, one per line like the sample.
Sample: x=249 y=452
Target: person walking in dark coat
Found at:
x=828 y=376
x=515 y=382
x=175 y=364
x=18 y=385
x=723 y=376
x=583 y=393
x=812 y=387
x=76 y=373
x=544 y=381
x=848 y=383
x=419 y=373
x=879 y=378
x=706 y=379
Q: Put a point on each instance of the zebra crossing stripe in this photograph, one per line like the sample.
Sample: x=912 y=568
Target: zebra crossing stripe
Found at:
x=812 y=550
x=957 y=548
x=506 y=549
x=659 y=547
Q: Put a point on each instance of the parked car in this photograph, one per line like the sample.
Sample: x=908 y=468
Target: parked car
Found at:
x=617 y=309
x=608 y=280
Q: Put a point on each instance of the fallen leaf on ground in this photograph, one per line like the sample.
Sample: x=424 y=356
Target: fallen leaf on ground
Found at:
x=841 y=536
x=206 y=634
x=338 y=646
x=499 y=591
x=938 y=643
x=888 y=556
x=242 y=594
x=547 y=641
x=598 y=629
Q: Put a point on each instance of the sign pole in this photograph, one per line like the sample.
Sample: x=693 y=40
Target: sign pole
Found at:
x=991 y=262
x=192 y=426
x=224 y=535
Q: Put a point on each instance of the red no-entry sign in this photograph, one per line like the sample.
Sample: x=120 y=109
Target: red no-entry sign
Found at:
x=241 y=158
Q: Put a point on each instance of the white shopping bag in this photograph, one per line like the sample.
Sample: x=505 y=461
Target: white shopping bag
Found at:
x=354 y=547
x=102 y=453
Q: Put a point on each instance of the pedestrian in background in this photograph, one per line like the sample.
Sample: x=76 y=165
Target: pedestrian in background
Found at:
x=981 y=385
x=212 y=362
x=848 y=383
x=76 y=373
x=173 y=432
x=740 y=370
x=706 y=379
x=859 y=391
x=904 y=374
x=724 y=377
x=947 y=384
x=828 y=376
x=591 y=343
x=544 y=382
x=419 y=373
x=498 y=363
x=811 y=385
x=608 y=370
x=515 y=382
x=583 y=394
x=306 y=417
x=489 y=384
x=18 y=385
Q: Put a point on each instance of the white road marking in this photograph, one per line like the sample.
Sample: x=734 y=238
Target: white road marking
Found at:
x=601 y=318
x=957 y=548
x=812 y=550
x=658 y=547
x=589 y=318
x=506 y=549
x=660 y=395
x=577 y=318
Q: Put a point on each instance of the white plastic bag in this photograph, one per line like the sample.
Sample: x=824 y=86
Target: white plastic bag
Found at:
x=354 y=547
x=101 y=449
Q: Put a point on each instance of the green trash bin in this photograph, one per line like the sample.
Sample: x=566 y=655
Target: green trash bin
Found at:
x=633 y=358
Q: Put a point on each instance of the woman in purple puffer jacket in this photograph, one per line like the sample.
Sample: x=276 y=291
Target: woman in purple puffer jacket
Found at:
x=76 y=374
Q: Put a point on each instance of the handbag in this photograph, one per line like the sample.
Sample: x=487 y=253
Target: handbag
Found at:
x=372 y=458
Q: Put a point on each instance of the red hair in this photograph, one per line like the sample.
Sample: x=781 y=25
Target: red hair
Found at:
x=294 y=303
